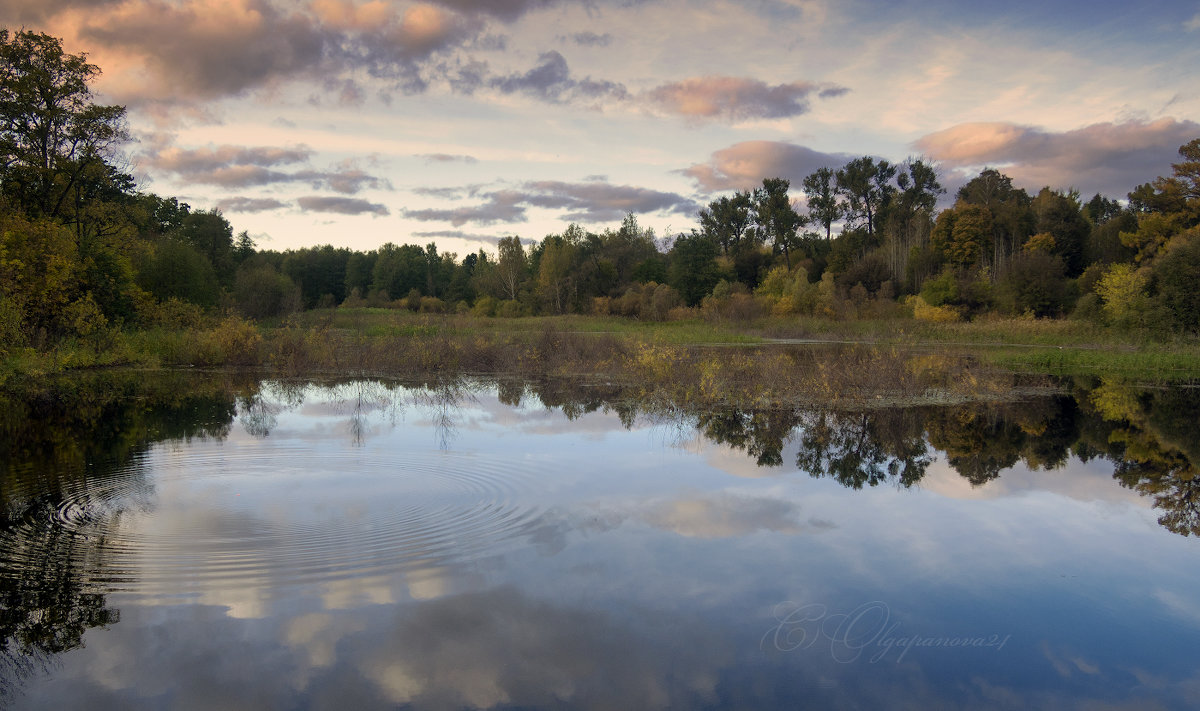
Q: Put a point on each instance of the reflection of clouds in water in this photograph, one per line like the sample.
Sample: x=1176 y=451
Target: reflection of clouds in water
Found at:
x=1081 y=481
x=1184 y=606
x=726 y=515
x=481 y=650
x=504 y=648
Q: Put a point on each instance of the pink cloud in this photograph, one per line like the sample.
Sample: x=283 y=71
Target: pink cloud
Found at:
x=1110 y=158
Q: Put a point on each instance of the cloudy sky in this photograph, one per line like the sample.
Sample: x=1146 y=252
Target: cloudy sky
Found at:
x=462 y=121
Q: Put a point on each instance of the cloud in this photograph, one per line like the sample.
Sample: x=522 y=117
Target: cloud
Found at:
x=1109 y=158
x=209 y=49
x=492 y=240
x=595 y=201
x=736 y=98
x=233 y=167
x=501 y=206
x=206 y=160
x=588 y=38
x=447 y=158
x=245 y=204
x=341 y=205
x=1193 y=24
x=502 y=9
x=744 y=165
x=168 y=54
x=37 y=12
x=551 y=81
x=590 y=201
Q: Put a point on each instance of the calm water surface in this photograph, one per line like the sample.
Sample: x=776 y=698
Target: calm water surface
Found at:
x=207 y=543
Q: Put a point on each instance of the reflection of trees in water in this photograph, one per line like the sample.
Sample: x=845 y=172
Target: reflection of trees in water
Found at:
x=442 y=399
x=759 y=433
x=68 y=465
x=1151 y=436
x=47 y=601
x=865 y=448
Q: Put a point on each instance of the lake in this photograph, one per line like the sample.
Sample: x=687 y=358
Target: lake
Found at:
x=210 y=540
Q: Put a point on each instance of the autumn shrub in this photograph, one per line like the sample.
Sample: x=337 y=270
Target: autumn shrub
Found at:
x=924 y=311
x=173 y=313
x=432 y=305
x=484 y=306
x=233 y=341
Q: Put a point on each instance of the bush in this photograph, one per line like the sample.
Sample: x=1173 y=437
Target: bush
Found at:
x=173 y=313
x=484 y=306
x=923 y=311
x=233 y=341
x=510 y=308
x=432 y=305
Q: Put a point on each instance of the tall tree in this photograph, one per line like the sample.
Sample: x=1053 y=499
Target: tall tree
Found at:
x=728 y=220
x=693 y=271
x=511 y=266
x=53 y=138
x=824 y=205
x=911 y=217
x=867 y=187
x=1012 y=216
x=776 y=217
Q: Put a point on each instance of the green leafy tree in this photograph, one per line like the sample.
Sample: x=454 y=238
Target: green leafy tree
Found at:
x=868 y=189
x=776 y=218
x=825 y=207
x=210 y=234
x=511 y=267
x=1034 y=283
x=693 y=268
x=53 y=138
x=1061 y=217
x=1175 y=274
x=1012 y=216
x=177 y=270
x=729 y=221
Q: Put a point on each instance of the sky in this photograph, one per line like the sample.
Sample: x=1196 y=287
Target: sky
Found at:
x=460 y=122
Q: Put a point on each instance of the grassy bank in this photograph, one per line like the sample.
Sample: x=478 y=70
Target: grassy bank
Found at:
x=895 y=358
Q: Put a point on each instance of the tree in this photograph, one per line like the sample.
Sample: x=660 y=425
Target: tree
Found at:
x=775 y=216
x=693 y=271
x=866 y=185
x=910 y=219
x=962 y=233
x=555 y=272
x=1187 y=171
x=210 y=234
x=1060 y=216
x=511 y=266
x=1034 y=284
x=177 y=270
x=824 y=206
x=1012 y=217
x=728 y=221
x=52 y=136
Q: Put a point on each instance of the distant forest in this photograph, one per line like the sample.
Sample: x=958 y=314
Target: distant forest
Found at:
x=83 y=250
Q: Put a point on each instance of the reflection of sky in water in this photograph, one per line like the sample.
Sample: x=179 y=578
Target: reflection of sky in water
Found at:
x=519 y=559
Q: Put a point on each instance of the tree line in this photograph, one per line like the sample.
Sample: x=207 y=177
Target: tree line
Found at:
x=83 y=250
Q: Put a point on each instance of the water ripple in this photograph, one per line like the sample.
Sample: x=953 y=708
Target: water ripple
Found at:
x=177 y=520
